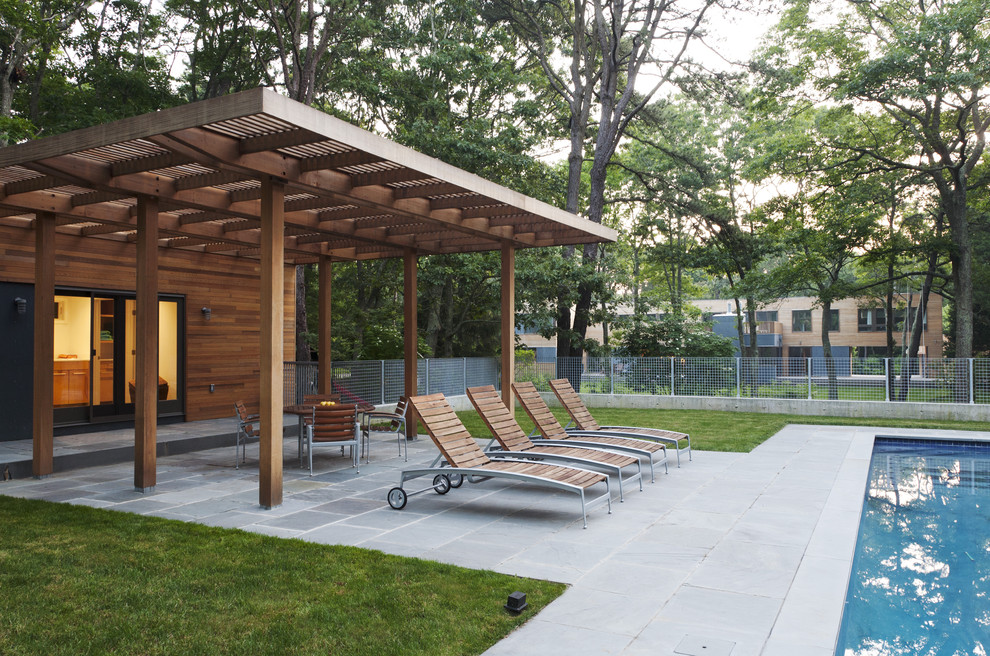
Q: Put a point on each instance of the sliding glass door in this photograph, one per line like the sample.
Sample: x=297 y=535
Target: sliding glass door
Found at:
x=95 y=346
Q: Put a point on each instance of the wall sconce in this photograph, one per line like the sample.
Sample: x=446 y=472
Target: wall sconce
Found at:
x=21 y=304
x=207 y=312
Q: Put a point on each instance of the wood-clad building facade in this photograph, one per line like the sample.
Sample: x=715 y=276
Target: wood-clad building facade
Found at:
x=156 y=249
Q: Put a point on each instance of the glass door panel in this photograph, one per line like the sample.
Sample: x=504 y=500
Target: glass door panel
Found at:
x=104 y=331
x=72 y=351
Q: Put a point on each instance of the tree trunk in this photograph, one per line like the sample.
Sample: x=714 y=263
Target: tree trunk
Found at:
x=833 y=382
x=906 y=357
x=962 y=270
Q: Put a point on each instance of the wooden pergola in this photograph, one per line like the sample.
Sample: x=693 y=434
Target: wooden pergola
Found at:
x=256 y=175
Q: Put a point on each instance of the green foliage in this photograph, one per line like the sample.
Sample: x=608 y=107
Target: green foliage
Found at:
x=672 y=335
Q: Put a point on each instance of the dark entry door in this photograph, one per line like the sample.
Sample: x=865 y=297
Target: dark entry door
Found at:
x=16 y=360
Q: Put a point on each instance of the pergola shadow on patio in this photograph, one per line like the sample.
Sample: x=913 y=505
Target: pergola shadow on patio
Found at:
x=254 y=175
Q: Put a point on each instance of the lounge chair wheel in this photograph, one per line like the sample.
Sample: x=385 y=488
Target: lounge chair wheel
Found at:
x=441 y=484
x=456 y=480
x=397 y=498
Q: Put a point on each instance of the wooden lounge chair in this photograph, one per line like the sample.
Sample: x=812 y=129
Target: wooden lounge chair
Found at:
x=465 y=460
x=553 y=433
x=582 y=419
x=514 y=443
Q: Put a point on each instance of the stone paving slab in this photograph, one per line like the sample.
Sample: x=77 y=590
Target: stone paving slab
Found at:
x=751 y=550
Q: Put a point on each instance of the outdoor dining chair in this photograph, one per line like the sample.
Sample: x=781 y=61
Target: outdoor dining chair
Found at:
x=334 y=425
x=247 y=429
x=379 y=421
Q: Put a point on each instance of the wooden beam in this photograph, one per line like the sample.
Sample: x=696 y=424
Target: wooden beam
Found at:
x=149 y=163
x=424 y=190
x=31 y=184
x=508 y=324
x=324 y=332
x=275 y=140
x=338 y=160
x=211 y=179
x=468 y=200
x=42 y=447
x=146 y=354
x=103 y=229
x=410 y=336
x=272 y=339
x=386 y=176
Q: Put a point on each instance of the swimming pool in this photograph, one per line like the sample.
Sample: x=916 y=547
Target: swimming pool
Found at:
x=920 y=580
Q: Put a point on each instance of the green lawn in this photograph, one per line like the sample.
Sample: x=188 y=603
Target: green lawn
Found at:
x=721 y=431
x=77 y=580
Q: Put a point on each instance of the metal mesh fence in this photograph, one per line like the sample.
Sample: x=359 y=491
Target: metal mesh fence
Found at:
x=921 y=380
x=382 y=381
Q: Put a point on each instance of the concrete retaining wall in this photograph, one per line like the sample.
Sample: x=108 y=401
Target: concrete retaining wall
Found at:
x=881 y=409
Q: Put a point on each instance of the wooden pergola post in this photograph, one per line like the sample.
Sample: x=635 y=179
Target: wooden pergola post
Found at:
x=325 y=374
x=43 y=441
x=146 y=355
x=272 y=339
x=411 y=336
x=508 y=323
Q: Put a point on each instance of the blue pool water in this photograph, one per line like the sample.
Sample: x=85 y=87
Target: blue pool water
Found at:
x=921 y=575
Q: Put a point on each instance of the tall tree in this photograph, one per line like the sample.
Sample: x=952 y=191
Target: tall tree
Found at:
x=31 y=34
x=925 y=65
x=619 y=55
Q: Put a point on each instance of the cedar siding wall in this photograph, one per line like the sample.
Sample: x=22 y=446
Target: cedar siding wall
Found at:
x=224 y=351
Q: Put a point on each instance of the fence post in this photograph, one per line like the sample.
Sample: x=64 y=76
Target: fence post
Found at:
x=672 y=376
x=611 y=376
x=738 y=377
x=972 y=379
x=886 y=379
x=382 y=372
x=809 y=378
x=426 y=363
x=464 y=373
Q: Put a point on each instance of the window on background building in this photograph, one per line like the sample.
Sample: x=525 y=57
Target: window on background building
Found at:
x=801 y=321
x=766 y=315
x=833 y=321
x=871 y=320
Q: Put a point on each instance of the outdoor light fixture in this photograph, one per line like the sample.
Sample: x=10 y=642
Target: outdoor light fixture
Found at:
x=22 y=305
x=207 y=312
x=516 y=603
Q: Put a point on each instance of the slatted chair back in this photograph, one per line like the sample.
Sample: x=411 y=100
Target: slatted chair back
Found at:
x=573 y=404
x=333 y=423
x=454 y=441
x=247 y=422
x=498 y=419
x=400 y=409
x=539 y=412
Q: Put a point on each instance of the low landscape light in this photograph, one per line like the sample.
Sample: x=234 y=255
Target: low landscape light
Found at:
x=516 y=603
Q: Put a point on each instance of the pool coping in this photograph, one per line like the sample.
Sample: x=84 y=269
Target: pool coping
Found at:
x=811 y=613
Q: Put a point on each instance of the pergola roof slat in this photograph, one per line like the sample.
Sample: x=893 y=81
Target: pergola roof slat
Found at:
x=205 y=161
